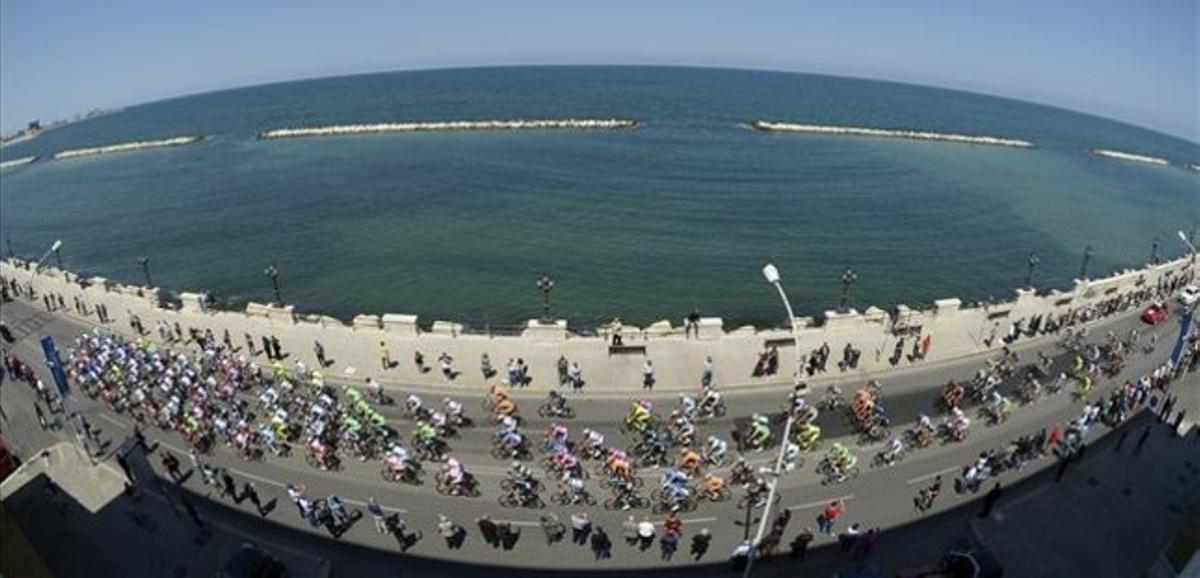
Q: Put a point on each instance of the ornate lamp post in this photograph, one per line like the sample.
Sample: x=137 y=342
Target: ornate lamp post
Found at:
x=848 y=279
x=144 y=261
x=1087 y=258
x=273 y=273
x=1032 y=262
x=545 y=284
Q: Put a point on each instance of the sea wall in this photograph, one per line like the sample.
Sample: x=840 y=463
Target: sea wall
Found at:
x=769 y=126
x=518 y=124
x=126 y=147
x=1124 y=156
x=6 y=165
x=956 y=331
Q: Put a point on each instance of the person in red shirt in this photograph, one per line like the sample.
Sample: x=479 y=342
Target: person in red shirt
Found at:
x=673 y=525
x=1055 y=437
x=828 y=517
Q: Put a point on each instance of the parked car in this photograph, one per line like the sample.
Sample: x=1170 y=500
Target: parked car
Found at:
x=1156 y=313
x=1189 y=295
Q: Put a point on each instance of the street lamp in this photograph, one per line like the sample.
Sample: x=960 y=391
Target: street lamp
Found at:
x=1087 y=257
x=545 y=284
x=144 y=261
x=1154 y=252
x=8 y=241
x=772 y=276
x=1183 y=237
x=848 y=279
x=53 y=249
x=273 y=272
x=57 y=254
x=1032 y=262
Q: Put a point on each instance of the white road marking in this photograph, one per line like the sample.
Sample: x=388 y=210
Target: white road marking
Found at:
x=919 y=479
x=845 y=498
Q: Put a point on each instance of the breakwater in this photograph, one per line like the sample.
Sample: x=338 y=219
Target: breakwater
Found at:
x=1124 y=156
x=768 y=126
x=6 y=165
x=126 y=147
x=464 y=125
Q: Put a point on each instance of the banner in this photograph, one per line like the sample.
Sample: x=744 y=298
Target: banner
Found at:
x=55 y=365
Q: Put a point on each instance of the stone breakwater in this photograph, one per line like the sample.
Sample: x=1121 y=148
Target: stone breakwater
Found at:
x=768 y=126
x=6 y=165
x=128 y=146
x=1124 y=156
x=464 y=125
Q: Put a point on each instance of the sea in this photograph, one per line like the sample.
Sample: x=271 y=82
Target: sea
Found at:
x=644 y=224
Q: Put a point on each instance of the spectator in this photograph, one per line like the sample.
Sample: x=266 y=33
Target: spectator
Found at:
x=700 y=543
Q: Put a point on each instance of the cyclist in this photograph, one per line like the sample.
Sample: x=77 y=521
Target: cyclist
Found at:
x=592 y=442
x=454 y=411
x=808 y=436
x=716 y=449
x=760 y=433
x=453 y=476
x=689 y=461
x=511 y=440
x=412 y=404
x=639 y=415
x=687 y=404
x=674 y=477
x=618 y=464
x=557 y=402
x=790 y=454
x=522 y=478
x=556 y=437
x=710 y=398
x=713 y=486
x=841 y=458
x=893 y=452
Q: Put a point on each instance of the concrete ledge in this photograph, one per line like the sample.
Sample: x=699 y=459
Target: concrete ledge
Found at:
x=539 y=331
x=400 y=324
x=659 y=329
x=194 y=303
x=366 y=322
x=446 y=328
x=711 y=328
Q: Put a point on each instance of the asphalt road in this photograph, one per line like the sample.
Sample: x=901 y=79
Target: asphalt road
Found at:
x=877 y=498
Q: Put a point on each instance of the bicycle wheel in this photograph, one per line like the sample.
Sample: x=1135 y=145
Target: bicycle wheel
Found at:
x=507 y=500
x=544 y=410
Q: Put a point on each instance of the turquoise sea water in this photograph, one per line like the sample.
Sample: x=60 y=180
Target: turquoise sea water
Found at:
x=644 y=224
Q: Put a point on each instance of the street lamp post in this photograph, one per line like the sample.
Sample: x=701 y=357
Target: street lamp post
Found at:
x=1183 y=237
x=1087 y=258
x=273 y=272
x=848 y=280
x=772 y=276
x=53 y=249
x=57 y=255
x=1154 y=252
x=1033 y=261
x=144 y=261
x=545 y=284
x=8 y=241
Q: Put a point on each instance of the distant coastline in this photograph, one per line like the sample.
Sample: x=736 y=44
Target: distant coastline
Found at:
x=519 y=124
x=769 y=126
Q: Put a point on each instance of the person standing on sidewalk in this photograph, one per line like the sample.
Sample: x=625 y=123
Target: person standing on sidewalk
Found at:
x=700 y=543
x=385 y=356
x=319 y=351
x=800 y=543
x=645 y=534
x=451 y=532
x=266 y=347
x=171 y=463
x=553 y=528
x=629 y=531
x=250 y=493
x=487 y=529
x=601 y=545
x=581 y=526
x=378 y=515
x=829 y=516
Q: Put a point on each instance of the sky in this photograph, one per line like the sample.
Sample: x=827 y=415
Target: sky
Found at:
x=1134 y=61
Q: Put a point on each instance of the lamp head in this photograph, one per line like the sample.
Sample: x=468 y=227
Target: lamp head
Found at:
x=58 y=244
x=771 y=273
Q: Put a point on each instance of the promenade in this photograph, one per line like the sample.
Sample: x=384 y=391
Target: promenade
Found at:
x=884 y=341
x=878 y=498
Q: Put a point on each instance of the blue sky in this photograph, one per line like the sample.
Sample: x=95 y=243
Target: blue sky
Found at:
x=1135 y=61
